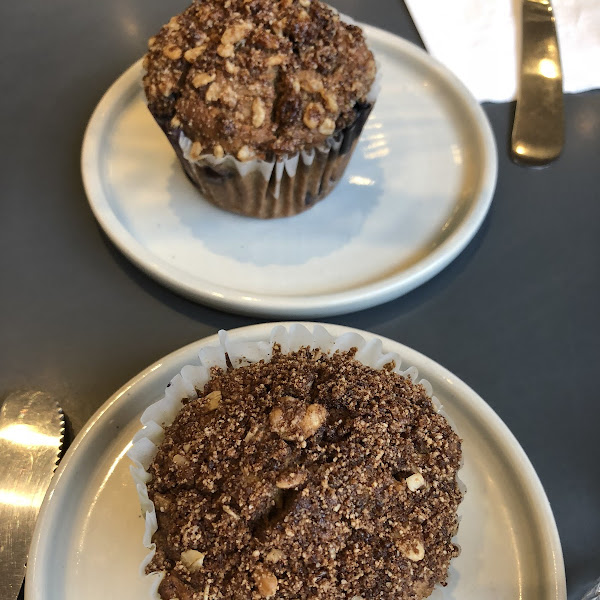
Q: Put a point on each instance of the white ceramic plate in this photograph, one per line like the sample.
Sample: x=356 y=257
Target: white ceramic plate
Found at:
x=88 y=539
x=415 y=193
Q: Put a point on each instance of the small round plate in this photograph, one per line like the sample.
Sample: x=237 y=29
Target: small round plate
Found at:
x=89 y=532
x=416 y=191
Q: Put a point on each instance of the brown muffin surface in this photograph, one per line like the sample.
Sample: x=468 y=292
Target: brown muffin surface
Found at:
x=257 y=78
x=311 y=476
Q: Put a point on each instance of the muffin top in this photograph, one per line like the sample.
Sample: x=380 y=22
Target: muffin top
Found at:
x=257 y=78
x=308 y=477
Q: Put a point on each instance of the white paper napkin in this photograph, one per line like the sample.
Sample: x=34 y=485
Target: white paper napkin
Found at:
x=477 y=40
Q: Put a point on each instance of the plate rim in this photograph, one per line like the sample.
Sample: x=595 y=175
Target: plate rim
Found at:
x=296 y=305
x=513 y=451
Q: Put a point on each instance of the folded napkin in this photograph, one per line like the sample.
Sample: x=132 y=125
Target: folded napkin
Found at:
x=478 y=41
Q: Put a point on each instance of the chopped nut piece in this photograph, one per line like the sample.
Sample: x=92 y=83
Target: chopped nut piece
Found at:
x=231 y=68
x=173 y=24
x=303 y=16
x=291 y=480
x=172 y=51
x=415 y=552
x=213 y=400
x=311 y=82
x=166 y=88
x=193 y=53
x=245 y=153
x=218 y=151
x=330 y=101
x=293 y=420
x=195 y=151
x=175 y=122
x=313 y=419
x=236 y=33
x=201 y=79
x=275 y=417
x=273 y=61
x=267 y=584
x=251 y=434
x=327 y=127
x=230 y=512
x=193 y=560
x=213 y=93
x=228 y=96
x=274 y=556
x=305 y=3
x=151 y=42
x=225 y=50
x=279 y=26
x=258 y=112
x=180 y=460
x=312 y=115
x=415 y=481
x=296 y=85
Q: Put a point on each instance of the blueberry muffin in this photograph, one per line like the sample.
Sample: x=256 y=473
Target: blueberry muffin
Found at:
x=262 y=100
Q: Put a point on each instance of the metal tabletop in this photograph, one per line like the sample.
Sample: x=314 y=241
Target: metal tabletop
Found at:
x=516 y=315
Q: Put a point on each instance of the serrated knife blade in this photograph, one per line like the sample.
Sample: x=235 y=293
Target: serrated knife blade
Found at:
x=31 y=433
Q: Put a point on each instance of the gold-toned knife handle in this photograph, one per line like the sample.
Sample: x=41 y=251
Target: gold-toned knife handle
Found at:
x=538 y=130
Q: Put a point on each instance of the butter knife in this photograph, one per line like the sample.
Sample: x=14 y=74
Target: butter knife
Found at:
x=31 y=434
x=538 y=129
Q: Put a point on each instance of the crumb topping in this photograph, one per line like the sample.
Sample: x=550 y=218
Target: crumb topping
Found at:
x=271 y=76
x=311 y=476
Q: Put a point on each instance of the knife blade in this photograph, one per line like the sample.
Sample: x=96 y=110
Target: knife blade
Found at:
x=538 y=130
x=31 y=433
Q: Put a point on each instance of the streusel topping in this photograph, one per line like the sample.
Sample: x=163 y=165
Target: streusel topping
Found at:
x=308 y=477
x=257 y=78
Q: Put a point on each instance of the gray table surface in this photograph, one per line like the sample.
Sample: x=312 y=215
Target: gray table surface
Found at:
x=516 y=315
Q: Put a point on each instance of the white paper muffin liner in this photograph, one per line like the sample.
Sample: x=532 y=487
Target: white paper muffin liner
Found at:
x=272 y=189
x=162 y=413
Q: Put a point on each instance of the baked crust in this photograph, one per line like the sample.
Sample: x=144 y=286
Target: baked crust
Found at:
x=258 y=78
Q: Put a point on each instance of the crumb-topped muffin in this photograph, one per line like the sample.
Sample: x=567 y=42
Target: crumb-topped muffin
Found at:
x=257 y=81
x=310 y=476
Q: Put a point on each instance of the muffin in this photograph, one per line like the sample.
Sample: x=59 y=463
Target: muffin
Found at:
x=307 y=474
x=262 y=100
